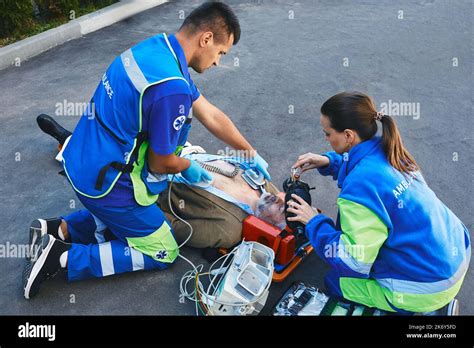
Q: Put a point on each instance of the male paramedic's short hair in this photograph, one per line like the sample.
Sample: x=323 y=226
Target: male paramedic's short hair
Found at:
x=216 y=17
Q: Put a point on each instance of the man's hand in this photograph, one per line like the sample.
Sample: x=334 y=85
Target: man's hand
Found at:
x=303 y=211
x=172 y=164
x=259 y=163
x=195 y=173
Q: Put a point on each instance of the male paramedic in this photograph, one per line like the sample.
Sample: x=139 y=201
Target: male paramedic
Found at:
x=125 y=145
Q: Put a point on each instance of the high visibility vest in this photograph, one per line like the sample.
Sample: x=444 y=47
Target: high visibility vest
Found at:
x=109 y=140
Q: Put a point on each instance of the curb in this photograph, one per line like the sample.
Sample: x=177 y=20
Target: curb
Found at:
x=27 y=48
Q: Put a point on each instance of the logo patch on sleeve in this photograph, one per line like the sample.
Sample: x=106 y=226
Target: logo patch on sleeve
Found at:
x=179 y=122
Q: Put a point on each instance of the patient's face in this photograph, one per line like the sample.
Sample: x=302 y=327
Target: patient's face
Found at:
x=271 y=208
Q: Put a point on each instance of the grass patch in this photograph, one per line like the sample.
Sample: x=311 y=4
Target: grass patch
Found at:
x=38 y=26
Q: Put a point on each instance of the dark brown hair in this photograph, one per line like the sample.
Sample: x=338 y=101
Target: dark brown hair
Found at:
x=216 y=17
x=357 y=111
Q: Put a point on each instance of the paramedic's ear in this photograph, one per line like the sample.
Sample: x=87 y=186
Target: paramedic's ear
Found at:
x=206 y=38
x=349 y=134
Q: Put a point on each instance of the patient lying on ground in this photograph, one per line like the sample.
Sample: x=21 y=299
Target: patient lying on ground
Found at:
x=215 y=210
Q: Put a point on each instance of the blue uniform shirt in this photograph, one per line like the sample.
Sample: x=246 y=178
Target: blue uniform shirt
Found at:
x=162 y=104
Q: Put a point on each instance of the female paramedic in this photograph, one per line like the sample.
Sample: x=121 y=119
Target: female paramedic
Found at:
x=395 y=246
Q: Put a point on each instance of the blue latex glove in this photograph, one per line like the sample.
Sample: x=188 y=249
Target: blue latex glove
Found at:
x=259 y=163
x=195 y=173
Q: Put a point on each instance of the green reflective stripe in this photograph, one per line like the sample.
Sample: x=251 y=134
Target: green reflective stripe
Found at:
x=142 y=196
x=363 y=231
x=178 y=150
x=365 y=291
x=141 y=84
x=160 y=245
x=370 y=293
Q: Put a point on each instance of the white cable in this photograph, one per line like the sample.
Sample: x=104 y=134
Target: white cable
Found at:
x=187 y=277
x=191 y=231
x=192 y=274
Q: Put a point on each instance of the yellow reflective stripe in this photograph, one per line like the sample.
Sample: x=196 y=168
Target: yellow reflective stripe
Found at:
x=363 y=232
x=142 y=196
x=370 y=293
x=365 y=291
x=160 y=245
x=178 y=150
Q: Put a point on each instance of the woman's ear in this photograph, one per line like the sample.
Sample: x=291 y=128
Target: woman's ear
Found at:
x=349 y=135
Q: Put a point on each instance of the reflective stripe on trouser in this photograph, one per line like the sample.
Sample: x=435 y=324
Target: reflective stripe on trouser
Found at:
x=369 y=292
x=101 y=260
x=143 y=225
x=365 y=291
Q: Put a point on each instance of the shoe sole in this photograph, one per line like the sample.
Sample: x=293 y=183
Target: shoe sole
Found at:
x=453 y=308
x=38 y=229
x=37 y=265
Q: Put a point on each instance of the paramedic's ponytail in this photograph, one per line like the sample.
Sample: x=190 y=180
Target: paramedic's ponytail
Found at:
x=357 y=111
x=397 y=155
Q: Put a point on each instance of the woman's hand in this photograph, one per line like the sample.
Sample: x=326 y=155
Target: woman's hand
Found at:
x=310 y=161
x=303 y=211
